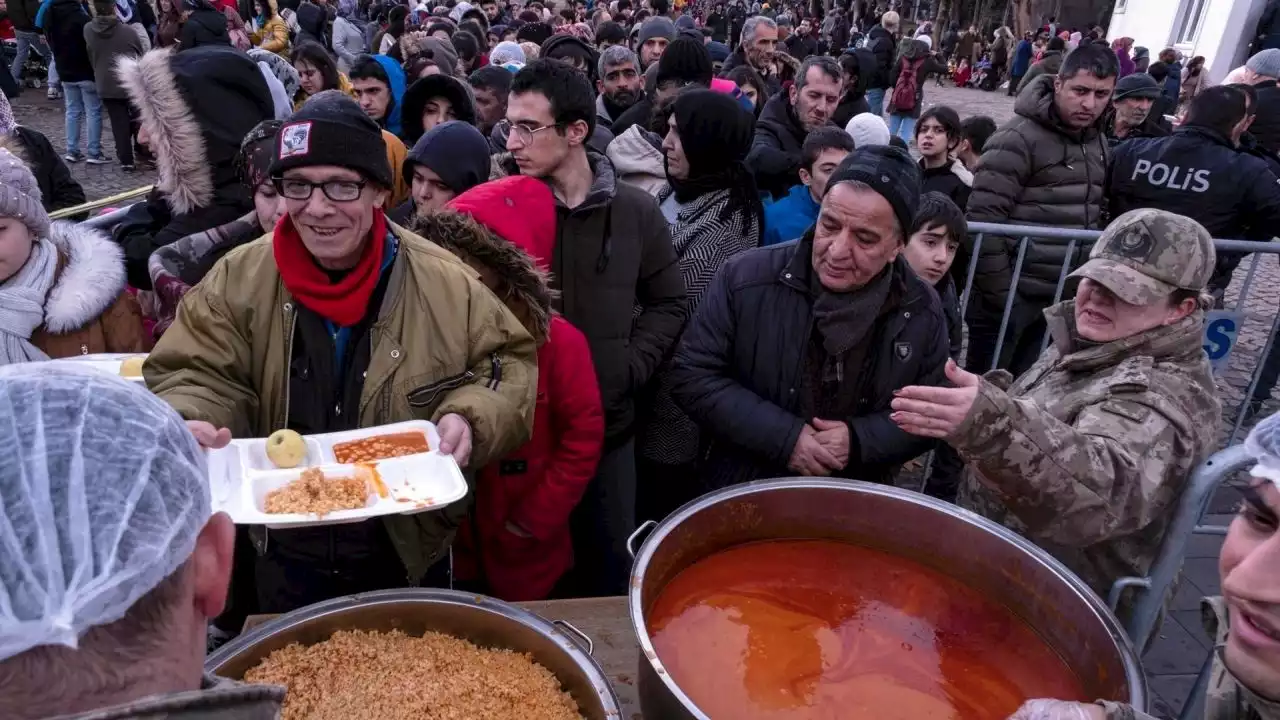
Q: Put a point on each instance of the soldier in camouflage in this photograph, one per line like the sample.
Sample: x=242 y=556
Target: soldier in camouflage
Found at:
x=1087 y=453
x=1244 y=680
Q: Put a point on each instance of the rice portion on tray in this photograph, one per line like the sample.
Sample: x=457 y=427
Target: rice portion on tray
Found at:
x=358 y=674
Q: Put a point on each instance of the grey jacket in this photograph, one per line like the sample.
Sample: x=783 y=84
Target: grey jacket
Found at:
x=108 y=39
x=348 y=42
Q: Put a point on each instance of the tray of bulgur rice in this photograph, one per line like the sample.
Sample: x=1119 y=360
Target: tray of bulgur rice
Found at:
x=419 y=653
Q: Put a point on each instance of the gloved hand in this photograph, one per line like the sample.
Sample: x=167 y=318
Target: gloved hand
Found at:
x=1057 y=710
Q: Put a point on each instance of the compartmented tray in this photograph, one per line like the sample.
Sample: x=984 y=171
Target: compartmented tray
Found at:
x=241 y=476
x=106 y=362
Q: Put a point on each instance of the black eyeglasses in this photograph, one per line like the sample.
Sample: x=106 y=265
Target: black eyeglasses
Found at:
x=335 y=190
x=522 y=133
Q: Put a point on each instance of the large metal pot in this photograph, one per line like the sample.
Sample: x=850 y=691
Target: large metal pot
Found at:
x=985 y=556
x=482 y=620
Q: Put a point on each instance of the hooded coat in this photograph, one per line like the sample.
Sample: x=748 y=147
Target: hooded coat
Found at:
x=396 y=80
x=64 y=24
x=197 y=105
x=457 y=92
x=536 y=487
x=1036 y=170
x=206 y=26
x=273 y=36
x=854 y=100
x=107 y=39
x=1049 y=64
x=88 y=310
x=916 y=52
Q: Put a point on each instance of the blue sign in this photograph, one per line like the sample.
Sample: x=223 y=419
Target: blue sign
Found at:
x=1221 y=330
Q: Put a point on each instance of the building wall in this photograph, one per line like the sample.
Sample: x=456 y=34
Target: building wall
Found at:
x=1223 y=39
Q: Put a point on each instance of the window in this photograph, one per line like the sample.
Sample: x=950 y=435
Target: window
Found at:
x=1189 y=23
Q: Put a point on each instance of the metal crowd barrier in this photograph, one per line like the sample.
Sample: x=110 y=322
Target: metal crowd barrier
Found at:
x=1078 y=242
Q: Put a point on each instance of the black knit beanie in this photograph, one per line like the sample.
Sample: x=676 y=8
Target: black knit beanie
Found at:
x=537 y=33
x=890 y=172
x=685 y=60
x=331 y=129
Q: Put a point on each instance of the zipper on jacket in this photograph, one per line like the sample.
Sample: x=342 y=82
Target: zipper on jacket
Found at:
x=424 y=396
x=288 y=359
x=495 y=363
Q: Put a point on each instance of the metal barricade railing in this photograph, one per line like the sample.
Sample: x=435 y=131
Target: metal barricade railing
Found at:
x=1152 y=590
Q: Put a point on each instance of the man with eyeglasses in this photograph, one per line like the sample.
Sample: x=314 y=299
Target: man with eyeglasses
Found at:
x=613 y=256
x=340 y=320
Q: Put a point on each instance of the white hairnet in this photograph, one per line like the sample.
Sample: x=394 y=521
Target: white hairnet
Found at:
x=1052 y=710
x=1263 y=444
x=102 y=493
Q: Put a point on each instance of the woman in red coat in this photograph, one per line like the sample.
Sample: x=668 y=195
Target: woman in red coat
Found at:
x=516 y=545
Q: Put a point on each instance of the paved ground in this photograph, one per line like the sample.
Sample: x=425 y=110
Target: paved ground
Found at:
x=1182 y=646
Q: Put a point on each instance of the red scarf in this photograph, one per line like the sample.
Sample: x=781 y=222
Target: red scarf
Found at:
x=344 y=302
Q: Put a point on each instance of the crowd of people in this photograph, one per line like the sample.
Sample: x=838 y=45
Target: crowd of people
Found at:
x=622 y=255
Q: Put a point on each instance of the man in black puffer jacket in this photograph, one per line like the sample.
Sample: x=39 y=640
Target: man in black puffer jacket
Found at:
x=1046 y=167
x=793 y=356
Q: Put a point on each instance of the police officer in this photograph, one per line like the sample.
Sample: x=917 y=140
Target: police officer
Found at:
x=1200 y=171
x=1137 y=110
x=1087 y=452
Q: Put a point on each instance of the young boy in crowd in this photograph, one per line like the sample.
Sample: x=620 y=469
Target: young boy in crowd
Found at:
x=793 y=215
x=937 y=137
x=936 y=235
x=974 y=133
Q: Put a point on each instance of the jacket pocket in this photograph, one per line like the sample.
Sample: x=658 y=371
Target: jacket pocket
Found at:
x=429 y=395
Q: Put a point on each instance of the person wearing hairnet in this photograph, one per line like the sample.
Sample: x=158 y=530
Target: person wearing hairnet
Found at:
x=1087 y=453
x=1244 y=622
x=111 y=560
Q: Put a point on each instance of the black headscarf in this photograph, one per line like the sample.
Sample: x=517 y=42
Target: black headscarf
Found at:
x=716 y=133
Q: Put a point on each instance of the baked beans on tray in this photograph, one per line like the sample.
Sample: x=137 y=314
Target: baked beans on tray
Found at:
x=381 y=447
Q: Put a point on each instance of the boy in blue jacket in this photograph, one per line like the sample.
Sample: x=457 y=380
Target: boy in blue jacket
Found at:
x=789 y=218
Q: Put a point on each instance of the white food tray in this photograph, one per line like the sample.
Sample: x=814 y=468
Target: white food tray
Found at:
x=106 y=362
x=241 y=475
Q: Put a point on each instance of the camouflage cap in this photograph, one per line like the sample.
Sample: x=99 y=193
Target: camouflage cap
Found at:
x=1144 y=255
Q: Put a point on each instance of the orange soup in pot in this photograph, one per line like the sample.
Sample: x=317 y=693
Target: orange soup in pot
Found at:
x=818 y=630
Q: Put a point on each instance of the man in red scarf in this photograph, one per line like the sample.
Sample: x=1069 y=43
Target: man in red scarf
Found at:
x=340 y=320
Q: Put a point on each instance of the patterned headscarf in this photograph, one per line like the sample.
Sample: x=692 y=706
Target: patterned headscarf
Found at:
x=257 y=151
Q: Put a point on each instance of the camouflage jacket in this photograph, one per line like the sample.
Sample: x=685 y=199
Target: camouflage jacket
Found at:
x=1226 y=698
x=217 y=699
x=1087 y=453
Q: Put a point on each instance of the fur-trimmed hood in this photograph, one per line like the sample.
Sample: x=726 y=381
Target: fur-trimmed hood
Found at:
x=528 y=286
x=196 y=106
x=90 y=277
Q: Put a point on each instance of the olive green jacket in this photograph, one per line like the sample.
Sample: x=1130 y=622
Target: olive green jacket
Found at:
x=442 y=343
x=1226 y=698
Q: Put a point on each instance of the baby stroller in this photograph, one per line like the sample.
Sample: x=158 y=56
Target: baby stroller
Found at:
x=34 y=70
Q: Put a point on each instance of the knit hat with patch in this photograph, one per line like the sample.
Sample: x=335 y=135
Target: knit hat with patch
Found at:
x=331 y=129
x=890 y=172
x=20 y=195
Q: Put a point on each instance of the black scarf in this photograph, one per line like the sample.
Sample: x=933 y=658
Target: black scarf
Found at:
x=716 y=133
x=844 y=320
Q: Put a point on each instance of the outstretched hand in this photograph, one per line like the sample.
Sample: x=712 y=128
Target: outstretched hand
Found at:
x=936 y=412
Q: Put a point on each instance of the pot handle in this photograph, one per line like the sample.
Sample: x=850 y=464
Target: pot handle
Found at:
x=580 y=637
x=644 y=528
